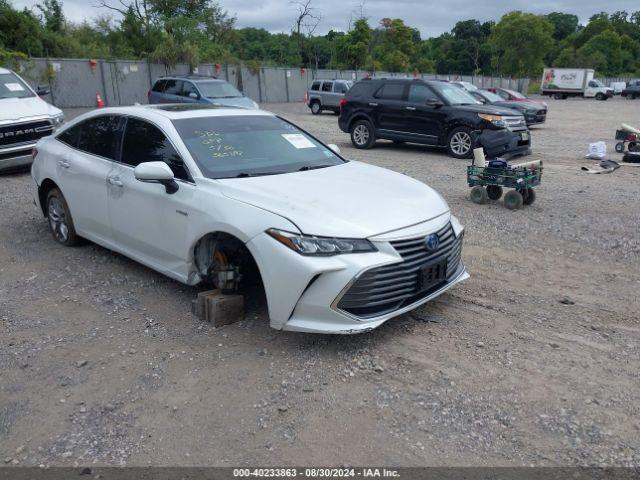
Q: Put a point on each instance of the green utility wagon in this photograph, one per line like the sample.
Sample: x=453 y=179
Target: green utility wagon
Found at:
x=488 y=182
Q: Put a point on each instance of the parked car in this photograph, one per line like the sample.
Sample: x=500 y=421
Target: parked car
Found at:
x=562 y=83
x=533 y=112
x=618 y=87
x=431 y=113
x=193 y=191
x=515 y=96
x=632 y=91
x=469 y=87
x=327 y=95
x=198 y=89
x=24 y=119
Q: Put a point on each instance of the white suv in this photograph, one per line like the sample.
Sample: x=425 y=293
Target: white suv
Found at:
x=24 y=119
x=199 y=192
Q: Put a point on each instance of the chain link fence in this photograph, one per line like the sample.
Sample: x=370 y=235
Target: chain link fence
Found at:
x=78 y=82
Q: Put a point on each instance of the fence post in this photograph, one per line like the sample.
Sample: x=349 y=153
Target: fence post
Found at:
x=104 y=83
x=259 y=85
x=286 y=83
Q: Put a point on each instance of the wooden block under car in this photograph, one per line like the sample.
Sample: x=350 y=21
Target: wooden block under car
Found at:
x=219 y=309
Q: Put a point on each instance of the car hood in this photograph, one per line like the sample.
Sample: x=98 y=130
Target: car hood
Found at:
x=14 y=109
x=517 y=105
x=353 y=200
x=244 y=102
x=482 y=108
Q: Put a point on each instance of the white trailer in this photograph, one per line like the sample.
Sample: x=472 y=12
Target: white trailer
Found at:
x=561 y=83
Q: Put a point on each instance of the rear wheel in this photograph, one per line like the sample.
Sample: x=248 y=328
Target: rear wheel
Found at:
x=620 y=147
x=558 y=96
x=362 y=135
x=316 y=108
x=513 y=200
x=60 y=221
x=479 y=195
x=494 y=192
x=460 y=143
x=634 y=147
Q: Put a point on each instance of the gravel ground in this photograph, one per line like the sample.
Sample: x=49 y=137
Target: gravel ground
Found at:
x=532 y=361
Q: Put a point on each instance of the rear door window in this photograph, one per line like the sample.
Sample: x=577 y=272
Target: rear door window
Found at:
x=100 y=136
x=144 y=142
x=173 y=87
x=391 y=91
x=327 y=86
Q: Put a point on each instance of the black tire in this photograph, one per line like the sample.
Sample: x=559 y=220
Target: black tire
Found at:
x=460 y=143
x=479 y=195
x=620 y=147
x=529 y=196
x=316 y=108
x=600 y=96
x=634 y=147
x=494 y=192
x=60 y=221
x=362 y=135
x=558 y=96
x=513 y=200
x=565 y=96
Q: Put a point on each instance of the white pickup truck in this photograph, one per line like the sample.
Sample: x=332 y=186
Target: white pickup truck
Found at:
x=24 y=119
x=561 y=83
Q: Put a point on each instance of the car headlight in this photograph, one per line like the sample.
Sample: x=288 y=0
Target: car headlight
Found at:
x=58 y=120
x=495 y=120
x=322 y=246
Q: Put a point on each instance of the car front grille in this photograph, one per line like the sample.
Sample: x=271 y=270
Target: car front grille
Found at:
x=515 y=122
x=389 y=288
x=22 y=133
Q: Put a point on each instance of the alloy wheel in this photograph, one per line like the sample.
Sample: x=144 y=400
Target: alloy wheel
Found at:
x=58 y=220
x=361 y=135
x=460 y=143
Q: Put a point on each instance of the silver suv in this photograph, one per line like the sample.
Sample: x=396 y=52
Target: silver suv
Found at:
x=327 y=95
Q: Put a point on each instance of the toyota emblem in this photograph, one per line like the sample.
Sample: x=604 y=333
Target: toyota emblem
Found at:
x=432 y=242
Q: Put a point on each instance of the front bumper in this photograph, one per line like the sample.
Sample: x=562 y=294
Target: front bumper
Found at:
x=505 y=143
x=303 y=293
x=16 y=157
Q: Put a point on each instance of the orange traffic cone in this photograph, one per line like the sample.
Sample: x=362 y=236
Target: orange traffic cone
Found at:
x=305 y=97
x=99 y=102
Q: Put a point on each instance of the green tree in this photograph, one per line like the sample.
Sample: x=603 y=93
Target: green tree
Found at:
x=564 y=24
x=520 y=42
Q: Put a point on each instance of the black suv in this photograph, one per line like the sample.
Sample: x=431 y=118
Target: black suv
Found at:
x=632 y=91
x=430 y=113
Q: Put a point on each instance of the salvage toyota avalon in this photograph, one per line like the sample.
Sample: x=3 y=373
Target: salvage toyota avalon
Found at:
x=204 y=193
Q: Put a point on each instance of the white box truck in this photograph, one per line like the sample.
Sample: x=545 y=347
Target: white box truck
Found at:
x=561 y=83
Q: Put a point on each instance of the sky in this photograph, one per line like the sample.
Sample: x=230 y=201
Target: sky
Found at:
x=431 y=17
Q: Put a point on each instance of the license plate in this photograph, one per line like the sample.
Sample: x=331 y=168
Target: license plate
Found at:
x=524 y=136
x=431 y=275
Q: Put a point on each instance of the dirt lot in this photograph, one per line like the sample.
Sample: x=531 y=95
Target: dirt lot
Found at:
x=532 y=361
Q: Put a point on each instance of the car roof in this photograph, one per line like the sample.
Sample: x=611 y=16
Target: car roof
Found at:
x=4 y=70
x=177 y=111
x=190 y=76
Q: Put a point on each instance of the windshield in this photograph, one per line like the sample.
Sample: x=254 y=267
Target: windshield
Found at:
x=12 y=87
x=251 y=145
x=598 y=83
x=454 y=95
x=490 y=96
x=218 y=90
x=515 y=94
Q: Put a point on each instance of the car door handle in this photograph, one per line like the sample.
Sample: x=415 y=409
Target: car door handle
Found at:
x=114 y=181
x=373 y=104
x=63 y=164
x=411 y=108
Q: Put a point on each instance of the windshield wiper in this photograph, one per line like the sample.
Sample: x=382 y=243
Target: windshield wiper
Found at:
x=312 y=167
x=247 y=174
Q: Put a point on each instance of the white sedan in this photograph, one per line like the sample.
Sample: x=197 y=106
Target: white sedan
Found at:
x=210 y=194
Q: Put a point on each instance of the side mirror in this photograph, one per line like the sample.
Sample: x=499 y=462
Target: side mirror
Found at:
x=194 y=95
x=43 y=90
x=156 y=172
x=432 y=102
x=334 y=147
